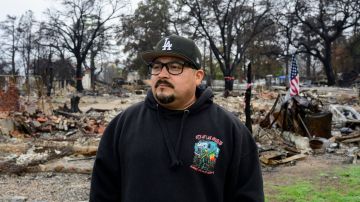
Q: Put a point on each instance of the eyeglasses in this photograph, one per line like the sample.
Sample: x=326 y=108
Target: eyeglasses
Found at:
x=174 y=67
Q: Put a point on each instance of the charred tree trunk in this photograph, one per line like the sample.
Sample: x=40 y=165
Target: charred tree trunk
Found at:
x=308 y=66
x=248 y=121
x=79 y=75
x=211 y=68
x=50 y=81
x=50 y=76
x=13 y=69
x=327 y=65
x=229 y=82
x=74 y=102
x=92 y=69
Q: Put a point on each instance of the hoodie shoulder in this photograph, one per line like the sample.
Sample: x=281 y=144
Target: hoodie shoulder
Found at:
x=133 y=108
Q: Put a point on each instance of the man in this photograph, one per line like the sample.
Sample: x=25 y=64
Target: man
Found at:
x=177 y=145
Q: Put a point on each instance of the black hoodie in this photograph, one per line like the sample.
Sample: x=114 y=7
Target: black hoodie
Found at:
x=152 y=154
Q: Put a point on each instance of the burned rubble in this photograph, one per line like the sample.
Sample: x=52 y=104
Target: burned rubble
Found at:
x=316 y=122
x=309 y=124
x=36 y=139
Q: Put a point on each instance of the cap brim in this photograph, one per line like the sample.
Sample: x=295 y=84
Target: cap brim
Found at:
x=149 y=56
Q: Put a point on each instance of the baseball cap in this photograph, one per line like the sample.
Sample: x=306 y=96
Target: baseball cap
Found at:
x=175 y=46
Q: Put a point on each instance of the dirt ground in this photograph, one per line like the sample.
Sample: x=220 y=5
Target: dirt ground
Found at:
x=75 y=187
x=307 y=168
x=44 y=187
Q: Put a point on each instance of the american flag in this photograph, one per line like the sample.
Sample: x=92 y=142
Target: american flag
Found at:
x=294 y=78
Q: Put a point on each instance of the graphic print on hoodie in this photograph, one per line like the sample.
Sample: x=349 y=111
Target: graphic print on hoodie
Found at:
x=206 y=152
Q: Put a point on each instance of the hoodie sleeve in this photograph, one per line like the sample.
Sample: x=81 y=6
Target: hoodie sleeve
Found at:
x=105 y=181
x=244 y=179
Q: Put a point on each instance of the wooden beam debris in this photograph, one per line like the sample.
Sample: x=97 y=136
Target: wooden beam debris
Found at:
x=32 y=156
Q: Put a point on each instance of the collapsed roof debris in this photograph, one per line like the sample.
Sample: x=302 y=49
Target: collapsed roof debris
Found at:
x=307 y=124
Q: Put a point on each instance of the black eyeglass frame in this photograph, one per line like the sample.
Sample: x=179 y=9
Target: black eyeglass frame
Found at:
x=183 y=64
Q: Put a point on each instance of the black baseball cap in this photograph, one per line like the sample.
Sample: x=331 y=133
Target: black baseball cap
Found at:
x=175 y=46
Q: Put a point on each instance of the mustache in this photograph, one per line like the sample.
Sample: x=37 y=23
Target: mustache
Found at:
x=159 y=82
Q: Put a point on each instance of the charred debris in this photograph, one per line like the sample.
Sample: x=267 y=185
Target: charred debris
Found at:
x=40 y=134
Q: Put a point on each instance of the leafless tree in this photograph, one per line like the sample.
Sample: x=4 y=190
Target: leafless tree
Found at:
x=322 y=23
x=230 y=27
x=10 y=43
x=26 y=39
x=80 y=24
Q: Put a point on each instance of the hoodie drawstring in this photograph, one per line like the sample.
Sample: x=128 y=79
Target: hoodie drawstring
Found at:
x=178 y=142
x=174 y=159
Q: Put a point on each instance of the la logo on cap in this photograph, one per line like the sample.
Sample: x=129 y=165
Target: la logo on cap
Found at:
x=167 y=44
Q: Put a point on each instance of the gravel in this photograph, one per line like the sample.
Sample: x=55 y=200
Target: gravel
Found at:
x=44 y=187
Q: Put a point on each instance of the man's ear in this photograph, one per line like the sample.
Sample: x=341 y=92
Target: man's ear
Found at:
x=199 y=75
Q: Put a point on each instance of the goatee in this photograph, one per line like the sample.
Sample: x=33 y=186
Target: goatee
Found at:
x=165 y=99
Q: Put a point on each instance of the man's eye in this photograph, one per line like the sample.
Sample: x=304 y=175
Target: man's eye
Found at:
x=156 y=66
x=175 y=66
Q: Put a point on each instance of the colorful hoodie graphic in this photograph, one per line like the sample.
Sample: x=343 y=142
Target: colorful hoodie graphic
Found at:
x=205 y=154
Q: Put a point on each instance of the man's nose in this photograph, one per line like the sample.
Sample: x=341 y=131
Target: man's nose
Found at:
x=164 y=72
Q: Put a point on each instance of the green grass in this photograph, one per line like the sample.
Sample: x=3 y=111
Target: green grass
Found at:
x=333 y=186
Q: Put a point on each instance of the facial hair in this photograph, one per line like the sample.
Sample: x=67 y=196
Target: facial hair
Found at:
x=164 y=99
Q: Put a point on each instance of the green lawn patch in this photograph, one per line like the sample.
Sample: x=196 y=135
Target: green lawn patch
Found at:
x=342 y=184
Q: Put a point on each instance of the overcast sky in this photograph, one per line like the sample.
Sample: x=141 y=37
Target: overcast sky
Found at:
x=19 y=7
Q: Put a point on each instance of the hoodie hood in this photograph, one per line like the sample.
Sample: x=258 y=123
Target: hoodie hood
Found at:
x=204 y=99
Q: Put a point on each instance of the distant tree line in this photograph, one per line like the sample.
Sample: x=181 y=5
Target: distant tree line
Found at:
x=231 y=33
